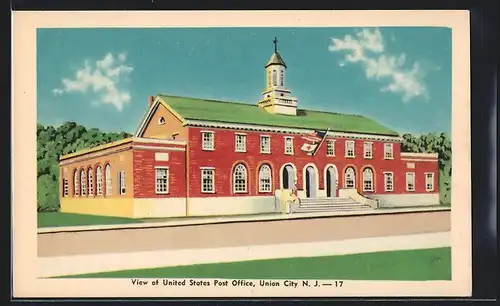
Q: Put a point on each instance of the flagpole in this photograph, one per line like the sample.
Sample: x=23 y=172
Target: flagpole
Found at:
x=321 y=142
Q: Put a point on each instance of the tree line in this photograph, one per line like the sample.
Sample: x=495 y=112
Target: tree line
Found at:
x=69 y=137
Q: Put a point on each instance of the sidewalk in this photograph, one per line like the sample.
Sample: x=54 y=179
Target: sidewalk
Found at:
x=227 y=219
x=81 y=264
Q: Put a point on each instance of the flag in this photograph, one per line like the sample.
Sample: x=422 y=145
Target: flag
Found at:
x=313 y=139
x=321 y=142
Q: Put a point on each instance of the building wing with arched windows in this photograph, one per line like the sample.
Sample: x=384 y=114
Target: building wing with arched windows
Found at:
x=193 y=157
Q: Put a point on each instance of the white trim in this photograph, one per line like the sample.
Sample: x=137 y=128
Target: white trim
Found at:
x=260 y=144
x=365 y=151
x=372 y=179
x=168 y=180
x=414 y=181
x=336 y=175
x=148 y=117
x=422 y=160
x=391 y=146
x=288 y=130
x=432 y=177
x=353 y=149
x=246 y=179
x=316 y=177
x=202 y=133
x=243 y=149
x=213 y=179
x=332 y=141
x=281 y=172
x=419 y=155
x=270 y=178
x=159 y=141
x=385 y=183
x=344 y=175
x=284 y=145
x=158 y=148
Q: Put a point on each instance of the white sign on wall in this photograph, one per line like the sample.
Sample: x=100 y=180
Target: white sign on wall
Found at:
x=161 y=156
x=410 y=165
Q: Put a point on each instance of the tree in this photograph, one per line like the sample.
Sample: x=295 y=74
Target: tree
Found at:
x=54 y=142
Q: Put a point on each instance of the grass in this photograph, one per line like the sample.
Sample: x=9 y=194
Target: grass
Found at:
x=409 y=265
x=54 y=219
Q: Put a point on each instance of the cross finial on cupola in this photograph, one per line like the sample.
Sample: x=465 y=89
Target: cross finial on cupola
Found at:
x=275 y=41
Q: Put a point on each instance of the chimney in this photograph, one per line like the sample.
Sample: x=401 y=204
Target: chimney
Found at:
x=150 y=101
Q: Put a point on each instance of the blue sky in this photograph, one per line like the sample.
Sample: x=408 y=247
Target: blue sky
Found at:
x=102 y=78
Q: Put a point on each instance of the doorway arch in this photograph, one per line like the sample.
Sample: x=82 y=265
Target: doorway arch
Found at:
x=331 y=178
x=311 y=179
x=288 y=174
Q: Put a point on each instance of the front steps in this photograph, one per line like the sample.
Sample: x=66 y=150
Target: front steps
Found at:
x=314 y=205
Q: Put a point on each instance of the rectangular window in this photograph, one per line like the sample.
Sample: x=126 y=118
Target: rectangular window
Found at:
x=289 y=145
x=410 y=181
x=121 y=181
x=349 y=148
x=429 y=181
x=368 y=150
x=388 y=151
x=161 y=180
x=240 y=143
x=65 y=187
x=330 y=148
x=207 y=141
x=207 y=180
x=265 y=144
x=389 y=181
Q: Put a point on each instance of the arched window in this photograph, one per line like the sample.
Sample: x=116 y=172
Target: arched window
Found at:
x=282 y=76
x=265 y=178
x=83 y=181
x=98 y=174
x=76 y=183
x=368 y=179
x=349 y=178
x=269 y=78
x=240 y=179
x=91 y=182
x=109 y=181
x=275 y=78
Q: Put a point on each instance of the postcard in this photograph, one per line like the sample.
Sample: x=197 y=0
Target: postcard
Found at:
x=241 y=154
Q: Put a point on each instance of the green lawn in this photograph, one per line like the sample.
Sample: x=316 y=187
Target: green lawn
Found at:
x=411 y=265
x=53 y=219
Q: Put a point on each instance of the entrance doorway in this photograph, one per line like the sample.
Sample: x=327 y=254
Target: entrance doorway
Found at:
x=311 y=184
x=288 y=177
x=331 y=182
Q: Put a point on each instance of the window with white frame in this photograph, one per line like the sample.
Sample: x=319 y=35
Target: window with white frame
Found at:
x=207 y=180
x=76 y=183
x=91 y=181
x=265 y=144
x=368 y=149
x=265 y=178
x=282 y=77
x=289 y=145
x=83 y=183
x=240 y=179
x=349 y=178
x=207 y=140
x=388 y=151
x=388 y=181
x=98 y=174
x=410 y=181
x=349 y=148
x=275 y=78
x=108 y=179
x=240 y=144
x=368 y=179
x=330 y=147
x=65 y=187
x=122 y=180
x=429 y=181
x=161 y=180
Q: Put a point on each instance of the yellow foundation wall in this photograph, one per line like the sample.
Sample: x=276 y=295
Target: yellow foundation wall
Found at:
x=103 y=207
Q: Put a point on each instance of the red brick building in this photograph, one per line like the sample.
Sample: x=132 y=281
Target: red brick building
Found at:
x=192 y=157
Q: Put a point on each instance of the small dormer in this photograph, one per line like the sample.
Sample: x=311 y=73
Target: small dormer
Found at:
x=277 y=99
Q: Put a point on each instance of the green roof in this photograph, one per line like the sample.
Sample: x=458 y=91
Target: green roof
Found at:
x=232 y=112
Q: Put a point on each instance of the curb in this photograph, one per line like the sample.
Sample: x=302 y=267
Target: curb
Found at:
x=219 y=220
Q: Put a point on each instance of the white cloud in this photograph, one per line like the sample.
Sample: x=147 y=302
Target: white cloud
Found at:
x=368 y=49
x=103 y=78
